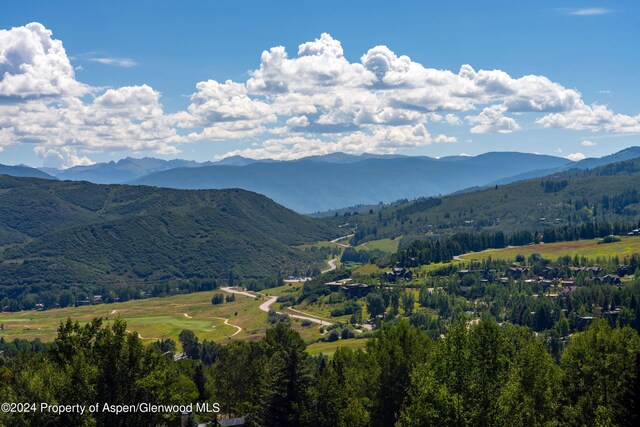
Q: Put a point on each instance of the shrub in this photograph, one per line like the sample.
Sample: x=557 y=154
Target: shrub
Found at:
x=609 y=239
x=217 y=299
x=333 y=336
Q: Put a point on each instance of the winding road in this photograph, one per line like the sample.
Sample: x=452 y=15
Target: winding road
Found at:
x=332 y=262
x=332 y=265
x=266 y=307
x=344 y=245
x=230 y=290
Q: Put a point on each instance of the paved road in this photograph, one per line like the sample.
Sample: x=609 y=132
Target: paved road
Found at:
x=308 y=317
x=266 y=307
x=233 y=291
x=342 y=238
x=332 y=265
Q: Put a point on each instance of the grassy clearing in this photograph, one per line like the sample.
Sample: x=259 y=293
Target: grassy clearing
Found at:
x=368 y=270
x=587 y=248
x=152 y=318
x=328 y=348
x=428 y=268
x=385 y=245
x=287 y=289
x=322 y=311
x=156 y=318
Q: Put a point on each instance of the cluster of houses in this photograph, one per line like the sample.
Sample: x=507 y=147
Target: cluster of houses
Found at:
x=352 y=289
x=549 y=276
x=358 y=290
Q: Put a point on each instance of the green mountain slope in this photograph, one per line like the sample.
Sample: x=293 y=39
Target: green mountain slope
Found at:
x=56 y=232
x=607 y=193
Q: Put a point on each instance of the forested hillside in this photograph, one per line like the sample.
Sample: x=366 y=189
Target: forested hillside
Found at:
x=568 y=199
x=56 y=234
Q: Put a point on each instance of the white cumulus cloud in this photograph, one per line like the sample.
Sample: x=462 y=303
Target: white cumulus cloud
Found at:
x=314 y=101
x=34 y=65
x=492 y=120
x=62 y=157
x=576 y=156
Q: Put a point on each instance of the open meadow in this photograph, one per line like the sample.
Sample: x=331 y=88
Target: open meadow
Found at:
x=157 y=318
x=582 y=248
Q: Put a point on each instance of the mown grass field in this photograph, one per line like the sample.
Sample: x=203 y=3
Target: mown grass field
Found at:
x=328 y=348
x=368 y=270
x=385 y=245
x=157 y=318
x=322 y=311
x=287 y=289
x=587 y=248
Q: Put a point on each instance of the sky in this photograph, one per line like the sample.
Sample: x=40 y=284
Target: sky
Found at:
x=92 y=81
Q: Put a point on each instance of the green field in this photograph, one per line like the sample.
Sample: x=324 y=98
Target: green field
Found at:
x=587 y=248
x=328 y=348
x=384 y=245
x=287 y=289
x=368 y=270
x=157 y=318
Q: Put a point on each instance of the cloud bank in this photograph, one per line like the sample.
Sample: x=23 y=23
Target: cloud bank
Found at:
x=313 y=102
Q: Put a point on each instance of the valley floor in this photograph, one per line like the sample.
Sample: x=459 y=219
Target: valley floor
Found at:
x=161 y=318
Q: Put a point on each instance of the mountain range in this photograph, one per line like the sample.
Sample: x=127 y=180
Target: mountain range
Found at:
x=331 y=181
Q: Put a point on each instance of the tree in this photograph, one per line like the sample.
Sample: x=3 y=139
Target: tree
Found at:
x=375 y=304
x=287 y=395
x=408 y=301
x=488 y=366
x=396 y=350
x=599 y=367
x=190 y=344
x=395 y=301
x=428 y=402
x=199 y=379
x=92 y=363
x=237 y=376
x=530 y=395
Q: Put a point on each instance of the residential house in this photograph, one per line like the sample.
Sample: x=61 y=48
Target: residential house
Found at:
x=356 y=289
x=396 y=274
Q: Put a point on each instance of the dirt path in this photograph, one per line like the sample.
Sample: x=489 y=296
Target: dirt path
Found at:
x=239 y=329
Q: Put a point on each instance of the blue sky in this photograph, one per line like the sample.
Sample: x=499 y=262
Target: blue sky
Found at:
x=135 y=67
